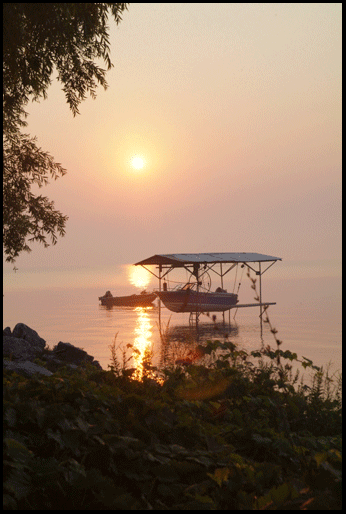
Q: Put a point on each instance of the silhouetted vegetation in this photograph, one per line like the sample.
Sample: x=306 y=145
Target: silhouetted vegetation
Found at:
x=231 y=430
x=72 y=39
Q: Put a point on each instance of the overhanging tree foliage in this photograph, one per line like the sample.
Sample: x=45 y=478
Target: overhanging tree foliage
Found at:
x=38 y=39
x=24 y=213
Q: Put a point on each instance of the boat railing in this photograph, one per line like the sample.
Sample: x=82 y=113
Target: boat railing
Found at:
x=187 y=286
x=193 y=286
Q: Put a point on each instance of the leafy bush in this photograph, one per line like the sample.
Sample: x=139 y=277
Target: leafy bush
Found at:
x=234 y=431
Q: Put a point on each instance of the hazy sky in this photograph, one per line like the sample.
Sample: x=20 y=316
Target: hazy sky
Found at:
x=236 y=110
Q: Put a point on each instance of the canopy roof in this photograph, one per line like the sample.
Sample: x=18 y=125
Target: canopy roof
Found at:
x=182 y=259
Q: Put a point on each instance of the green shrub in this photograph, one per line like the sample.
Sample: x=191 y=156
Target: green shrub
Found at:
x=235 y=432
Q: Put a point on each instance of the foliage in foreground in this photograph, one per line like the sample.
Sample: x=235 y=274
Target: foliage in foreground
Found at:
x=233 y=433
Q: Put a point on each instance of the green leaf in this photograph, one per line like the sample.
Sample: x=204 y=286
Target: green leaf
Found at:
x=335 y=454
x=320 y=457
x=125 y=442
x=281 y=493
x=76 y=467
x=335 y=472
x=10 y=417
x=18 y=484
x=220 y=475
x=82 y=424
x=165 y=473
x=17 y=451
x=204 y=499
x=261 y=440
x=56 y=436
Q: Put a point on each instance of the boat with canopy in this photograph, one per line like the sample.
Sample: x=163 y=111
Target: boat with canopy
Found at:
x=193 y=299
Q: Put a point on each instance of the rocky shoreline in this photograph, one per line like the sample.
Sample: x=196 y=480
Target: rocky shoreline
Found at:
x=23 y=346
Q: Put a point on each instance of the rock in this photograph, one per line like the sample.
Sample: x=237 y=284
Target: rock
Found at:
x=54 y=364
x=28 y=334
x=19 y=349
x=73 y=355
x=24 y=345
x=7 y=331
x=26 y=368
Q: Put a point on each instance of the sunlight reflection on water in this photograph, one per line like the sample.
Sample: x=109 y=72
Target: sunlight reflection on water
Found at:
x=307 y=316
x=143 y=341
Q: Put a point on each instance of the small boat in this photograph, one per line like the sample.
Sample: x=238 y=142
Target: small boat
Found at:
x=186 y=299
x=143 y=299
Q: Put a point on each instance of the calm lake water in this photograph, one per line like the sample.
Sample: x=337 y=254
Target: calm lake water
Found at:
x=307 y=316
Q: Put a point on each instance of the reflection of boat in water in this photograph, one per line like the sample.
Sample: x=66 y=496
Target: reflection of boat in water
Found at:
x=211 y=330
x=186 y=299
x=143 y=299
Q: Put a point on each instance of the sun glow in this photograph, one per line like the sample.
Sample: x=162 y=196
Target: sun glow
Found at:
x=137 y=162
x=139 y=276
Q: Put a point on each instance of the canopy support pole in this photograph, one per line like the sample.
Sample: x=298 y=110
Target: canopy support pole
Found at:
x=160 y=271
x=223 y=312
x=260 y=297
x=196 y=273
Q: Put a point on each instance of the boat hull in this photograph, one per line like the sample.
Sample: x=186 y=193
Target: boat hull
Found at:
x=135 y=300
x=193 y=301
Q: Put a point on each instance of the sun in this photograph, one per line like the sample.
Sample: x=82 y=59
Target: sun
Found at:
x=138 y=276
x=137 y=162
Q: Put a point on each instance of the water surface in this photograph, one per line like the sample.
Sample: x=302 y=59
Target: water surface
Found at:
x=307 y=316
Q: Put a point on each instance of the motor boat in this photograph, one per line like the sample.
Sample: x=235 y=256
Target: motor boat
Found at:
x=188 y=299
x=143 y=299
